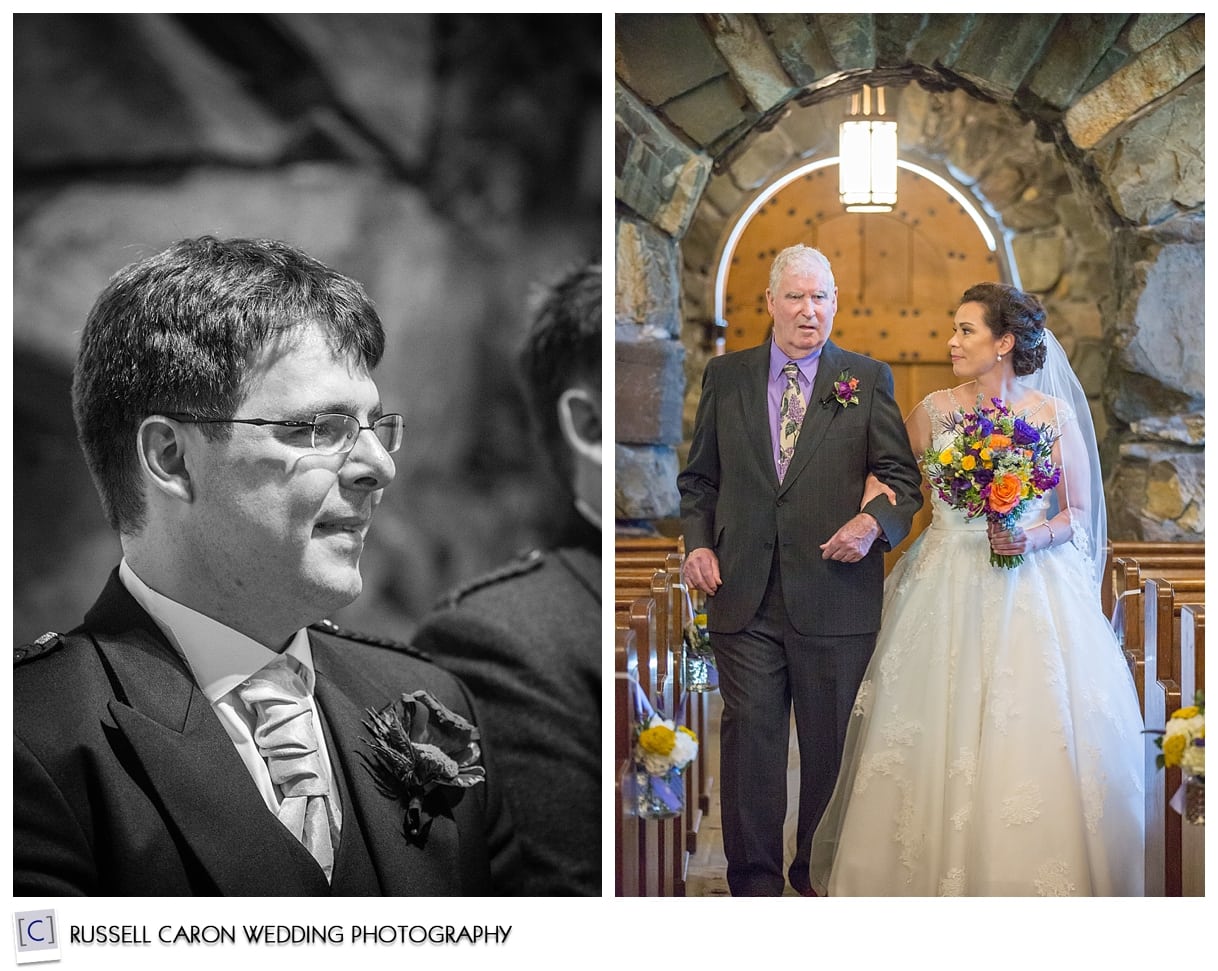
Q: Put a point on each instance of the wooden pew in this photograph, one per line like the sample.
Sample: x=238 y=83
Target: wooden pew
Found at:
x=1192 y=650
x=1162 y=602
x=668 y=544
x=663 y=851
x=637 y=560
x=1128 y=575
x=628 y=880
x=1134 y=549
x=658 y=585
x=639 y=617
x=631 y=566
x=1192 y=680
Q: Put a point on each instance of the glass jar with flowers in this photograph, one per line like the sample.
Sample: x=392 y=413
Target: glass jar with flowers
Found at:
x=662 y=750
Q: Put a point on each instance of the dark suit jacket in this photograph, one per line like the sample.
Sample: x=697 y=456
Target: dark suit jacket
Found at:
x=732 y=502
x=527 y=641
x=126 y=783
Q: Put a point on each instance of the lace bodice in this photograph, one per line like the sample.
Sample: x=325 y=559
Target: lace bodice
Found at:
x=1046 y=412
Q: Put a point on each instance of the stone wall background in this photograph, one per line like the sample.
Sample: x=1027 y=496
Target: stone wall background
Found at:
x=448 y=162
x=1083 y=134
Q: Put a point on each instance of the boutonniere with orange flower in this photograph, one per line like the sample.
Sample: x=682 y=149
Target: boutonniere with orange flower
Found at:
x=993 y=466
x=845 y=390
x=420 y=752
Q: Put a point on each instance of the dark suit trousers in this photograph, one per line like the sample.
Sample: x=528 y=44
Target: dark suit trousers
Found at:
x=763 y=671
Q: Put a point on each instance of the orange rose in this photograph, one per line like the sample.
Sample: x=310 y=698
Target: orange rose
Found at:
x=1005 y=493
x=999 y=441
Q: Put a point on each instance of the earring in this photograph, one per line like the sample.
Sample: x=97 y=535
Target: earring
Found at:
x=1000 y=357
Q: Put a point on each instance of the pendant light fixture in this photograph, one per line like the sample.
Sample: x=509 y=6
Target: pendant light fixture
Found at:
x=868 y=149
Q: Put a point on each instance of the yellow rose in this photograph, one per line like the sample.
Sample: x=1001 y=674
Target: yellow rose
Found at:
x=946 y=456
x=986 y=455
x=1190 y=712
x=1173 y=749
x=968 y=463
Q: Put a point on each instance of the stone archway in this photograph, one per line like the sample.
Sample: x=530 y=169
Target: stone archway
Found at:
x=1082 y=132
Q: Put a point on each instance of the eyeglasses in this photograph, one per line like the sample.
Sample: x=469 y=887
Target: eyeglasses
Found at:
x=332 y=434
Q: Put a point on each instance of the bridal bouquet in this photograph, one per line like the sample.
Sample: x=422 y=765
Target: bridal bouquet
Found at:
x=994 y=466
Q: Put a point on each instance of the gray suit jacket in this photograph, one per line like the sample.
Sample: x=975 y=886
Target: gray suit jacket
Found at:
x=732 y=502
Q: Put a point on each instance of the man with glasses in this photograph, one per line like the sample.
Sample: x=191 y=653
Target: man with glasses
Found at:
x=206 y=730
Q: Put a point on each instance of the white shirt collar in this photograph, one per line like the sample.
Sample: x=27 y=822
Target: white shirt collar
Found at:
x=219 y=657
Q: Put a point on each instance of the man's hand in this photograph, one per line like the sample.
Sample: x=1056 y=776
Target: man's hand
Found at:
x=853 y=541
x=702 y=570
x=873 y=488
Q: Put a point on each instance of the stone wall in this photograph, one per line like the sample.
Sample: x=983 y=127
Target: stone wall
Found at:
x=450 y=163
x=1082 y=134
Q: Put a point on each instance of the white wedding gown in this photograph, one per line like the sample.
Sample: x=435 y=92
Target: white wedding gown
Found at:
x=995 y=746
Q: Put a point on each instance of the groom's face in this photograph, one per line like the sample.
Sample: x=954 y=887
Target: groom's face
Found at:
x=803 y=306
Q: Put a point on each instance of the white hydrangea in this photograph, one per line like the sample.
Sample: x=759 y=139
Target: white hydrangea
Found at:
x=1185 y=726
x=685 y=749
x=1192 y=762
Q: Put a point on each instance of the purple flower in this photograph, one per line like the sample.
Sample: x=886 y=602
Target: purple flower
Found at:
x=1025 y=434
x=1045 y=477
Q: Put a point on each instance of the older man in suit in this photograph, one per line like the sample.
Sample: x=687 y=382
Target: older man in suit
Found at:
x=788 y=545
x=205 y=730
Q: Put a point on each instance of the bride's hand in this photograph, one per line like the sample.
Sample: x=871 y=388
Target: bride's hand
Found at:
x=874 y=488
x=1008 y=542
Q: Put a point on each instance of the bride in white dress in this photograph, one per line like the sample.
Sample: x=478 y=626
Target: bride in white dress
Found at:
x=995 y=747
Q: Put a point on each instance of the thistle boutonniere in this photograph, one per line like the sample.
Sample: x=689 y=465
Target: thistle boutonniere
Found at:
x=845 y=390
x=419 y=747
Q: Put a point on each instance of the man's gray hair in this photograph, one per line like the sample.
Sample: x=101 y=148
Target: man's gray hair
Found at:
x=801 y=257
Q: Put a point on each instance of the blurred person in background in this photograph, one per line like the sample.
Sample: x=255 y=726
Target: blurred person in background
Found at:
x=526 y=638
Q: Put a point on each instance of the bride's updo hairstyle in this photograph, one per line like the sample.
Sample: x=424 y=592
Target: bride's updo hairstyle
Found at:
x=1008 y=310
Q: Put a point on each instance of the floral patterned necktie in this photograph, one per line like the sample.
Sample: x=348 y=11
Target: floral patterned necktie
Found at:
x=284 y=734
x=790 y=418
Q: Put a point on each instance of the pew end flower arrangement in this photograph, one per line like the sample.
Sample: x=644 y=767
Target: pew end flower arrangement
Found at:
x=994 y=466
x=1181 y=744
x=662 y=750
x=698 y=668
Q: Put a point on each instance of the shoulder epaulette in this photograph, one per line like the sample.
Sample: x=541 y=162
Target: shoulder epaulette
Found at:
x=48 y=642
x=329 y=627
x=525 y=563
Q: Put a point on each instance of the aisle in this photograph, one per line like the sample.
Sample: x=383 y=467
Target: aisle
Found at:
x=706 y=875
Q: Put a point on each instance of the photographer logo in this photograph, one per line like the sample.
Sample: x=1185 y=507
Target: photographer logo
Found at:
x=36 y=935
